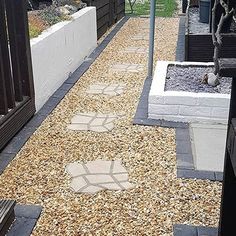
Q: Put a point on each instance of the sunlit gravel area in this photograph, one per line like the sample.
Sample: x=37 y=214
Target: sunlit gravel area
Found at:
x=158 y=200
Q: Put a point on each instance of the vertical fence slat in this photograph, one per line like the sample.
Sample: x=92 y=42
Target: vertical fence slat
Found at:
x=14 y=48
x=6 y=58
x=3 y=96
x=19 y=8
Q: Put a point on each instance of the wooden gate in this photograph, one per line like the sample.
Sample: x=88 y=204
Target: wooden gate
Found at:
x=17 y=104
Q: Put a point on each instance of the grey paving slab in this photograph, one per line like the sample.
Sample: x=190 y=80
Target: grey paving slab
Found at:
x=106 y=89
x=143 y=37
x=26 y=219
x=127 y=67
x=184 y=230
x=194 y=174
x=207 y=231
x=208 y=142
x=185 y=161
x=182 y=134
x=190 y=230
x=141 y=113
x=136 y=50
x=28 y=211
x=93 y=122
x=94 y=176
x=219 y=176
x=5 y=159
x=22 y=227
x=180 y=49
x=49 y=106
x=183 y=147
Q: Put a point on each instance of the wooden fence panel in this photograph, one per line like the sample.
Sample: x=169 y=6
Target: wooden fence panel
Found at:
x=14 y=49
x=17 y=103
x=108 y=13
x=5 y=58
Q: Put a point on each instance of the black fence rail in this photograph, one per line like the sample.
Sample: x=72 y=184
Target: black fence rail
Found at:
x=16 y=79
x=108 y=13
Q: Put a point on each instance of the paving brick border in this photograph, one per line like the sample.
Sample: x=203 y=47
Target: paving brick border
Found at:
x=180 y=49
x=14 y=146
x=190 y=230
x=185 y=165
x=26 y=219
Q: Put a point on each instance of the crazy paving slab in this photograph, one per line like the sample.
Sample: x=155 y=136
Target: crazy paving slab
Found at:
x=126 y=67
x=98 y=175
x=140 y=37
x=93 y=122
x=106 y=89
x=138 y=50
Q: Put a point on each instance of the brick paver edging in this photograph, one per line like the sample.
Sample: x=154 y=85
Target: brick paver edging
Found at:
x=190 y=230
x=185 y=166
x=14 y=146
x=180 y=49
x=26 y=217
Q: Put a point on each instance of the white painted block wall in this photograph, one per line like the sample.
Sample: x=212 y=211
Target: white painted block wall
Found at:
x=59 y=51
x=185 y=106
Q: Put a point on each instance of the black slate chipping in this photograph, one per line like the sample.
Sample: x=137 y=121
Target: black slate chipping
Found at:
x=189 y=79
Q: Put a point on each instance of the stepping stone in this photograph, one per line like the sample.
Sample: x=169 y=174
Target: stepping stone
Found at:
x=140 y=37
x=129 y=68
x=138 y=50
x=98 y=175
x=106 y=89
x=93 y=122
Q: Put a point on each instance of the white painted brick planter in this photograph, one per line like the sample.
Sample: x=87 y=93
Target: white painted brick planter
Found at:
x=183 y=106
x=60 y=50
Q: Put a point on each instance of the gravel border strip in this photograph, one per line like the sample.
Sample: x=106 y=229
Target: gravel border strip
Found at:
x=180 y=48
x=190 y=230
x=26 y=217
x=14 y=146
x=184 y=157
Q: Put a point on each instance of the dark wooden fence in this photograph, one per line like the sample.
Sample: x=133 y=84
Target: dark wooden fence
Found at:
x=108 y=13
x=199 y=47
x=16 y=79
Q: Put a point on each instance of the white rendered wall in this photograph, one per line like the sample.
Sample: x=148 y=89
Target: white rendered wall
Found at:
x=183 y=106
x=59 y=51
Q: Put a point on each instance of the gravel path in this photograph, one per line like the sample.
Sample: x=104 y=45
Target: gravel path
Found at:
x=185 y=78
x=158 y=200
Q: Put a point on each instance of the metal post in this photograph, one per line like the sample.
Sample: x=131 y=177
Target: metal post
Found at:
x=151 y=37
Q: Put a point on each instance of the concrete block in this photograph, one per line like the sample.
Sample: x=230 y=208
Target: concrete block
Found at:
x=213 y=100
x=220 y=112
x=156 y=99
x=195 y=111
x=163 y=109
x=180 y=98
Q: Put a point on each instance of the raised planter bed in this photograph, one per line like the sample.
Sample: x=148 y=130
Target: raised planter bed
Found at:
x=60 y=50
x=185 y=106
x=198 y=40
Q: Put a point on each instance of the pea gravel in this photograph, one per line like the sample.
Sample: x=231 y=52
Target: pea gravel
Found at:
x=159 y=199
